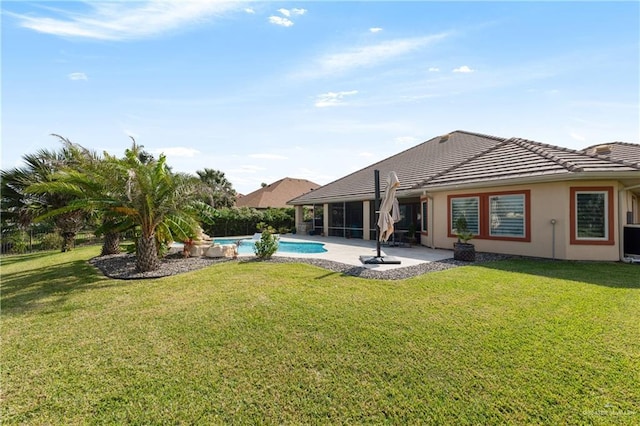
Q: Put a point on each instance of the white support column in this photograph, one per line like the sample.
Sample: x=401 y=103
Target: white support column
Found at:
x=366 y=220
x=299 y=218
x=325 y=217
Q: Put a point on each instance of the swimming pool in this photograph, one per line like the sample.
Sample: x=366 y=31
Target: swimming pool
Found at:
x=247 y=245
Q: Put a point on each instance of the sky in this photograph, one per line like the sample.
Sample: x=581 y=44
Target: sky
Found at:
x=312 y=90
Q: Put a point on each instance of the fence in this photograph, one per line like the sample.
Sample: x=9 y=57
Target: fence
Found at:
x=32 y=240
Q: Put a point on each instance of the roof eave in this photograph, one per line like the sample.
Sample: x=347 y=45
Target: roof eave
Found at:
x=531 y=180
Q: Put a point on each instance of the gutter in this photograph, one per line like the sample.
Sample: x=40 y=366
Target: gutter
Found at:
x=558 y=177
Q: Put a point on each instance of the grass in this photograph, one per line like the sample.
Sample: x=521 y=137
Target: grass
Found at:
x=516 y=342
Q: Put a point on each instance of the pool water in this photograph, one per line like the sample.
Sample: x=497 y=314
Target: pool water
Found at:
x=247 y=245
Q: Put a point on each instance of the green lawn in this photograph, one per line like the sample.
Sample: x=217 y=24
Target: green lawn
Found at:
x=516 y=342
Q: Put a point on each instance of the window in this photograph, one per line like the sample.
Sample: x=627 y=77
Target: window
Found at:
x=467 y=207
x=493 y=215
x=592 y=215
x=591 y=220
x=506 y=215
x=424 y=219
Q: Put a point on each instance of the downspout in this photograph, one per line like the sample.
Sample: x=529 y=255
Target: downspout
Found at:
x=621 y=219
x=433 y=221
x=553 y=239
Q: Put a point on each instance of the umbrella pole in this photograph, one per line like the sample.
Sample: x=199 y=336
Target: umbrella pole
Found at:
x=376 y=174
x=378 y=259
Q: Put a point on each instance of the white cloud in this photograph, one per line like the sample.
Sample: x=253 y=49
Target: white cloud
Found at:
x=247 y=169
x=177 y=151
x=77 y=76
x=406 y=140
x=285 y=22
x=127 y=20
x=577 y=137
x=366 y=56
x=279 y=20
x=434 y=69
x=269 y=156
x=249 y=10
x=131 y=134
x=463 y=69
x=365 y=154
x=375 y=29
x=332 y=98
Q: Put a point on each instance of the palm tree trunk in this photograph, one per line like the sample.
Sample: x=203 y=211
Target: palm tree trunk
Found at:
x=68 y=241
x=111 y=244
x=147 y=254
x=69 y=224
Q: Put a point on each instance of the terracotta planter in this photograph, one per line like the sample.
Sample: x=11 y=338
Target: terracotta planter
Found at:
x=464 y=251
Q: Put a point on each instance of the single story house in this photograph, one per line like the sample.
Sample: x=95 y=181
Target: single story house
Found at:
x=276 y=194
x=518 y=196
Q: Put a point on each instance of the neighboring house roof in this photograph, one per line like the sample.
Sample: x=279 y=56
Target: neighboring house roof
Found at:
x=412 y=166
x=277 y=194
x=467 y=159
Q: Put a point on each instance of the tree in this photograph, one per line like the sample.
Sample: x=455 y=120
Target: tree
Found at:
x=24 y=206
x=219 y=192
x=162 y=204
x=94 y=186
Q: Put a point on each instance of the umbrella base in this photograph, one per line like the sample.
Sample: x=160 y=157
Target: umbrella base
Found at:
x=379 y=260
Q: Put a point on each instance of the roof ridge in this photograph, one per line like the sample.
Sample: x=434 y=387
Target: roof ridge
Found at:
x=373 y=166
x=482 y=135
x=540 y=149
x=455 y=166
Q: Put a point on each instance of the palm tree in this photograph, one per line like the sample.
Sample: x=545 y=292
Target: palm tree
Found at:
x=159 y=202
x=95 y=187
x=25 y=206
x=220 y=192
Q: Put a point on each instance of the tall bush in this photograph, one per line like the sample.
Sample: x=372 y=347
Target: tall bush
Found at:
x=267 y=245
x=244 y=221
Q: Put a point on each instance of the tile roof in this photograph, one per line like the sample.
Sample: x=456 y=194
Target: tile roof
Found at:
x=412 y=166
x=520 y=159
x=277 y=194
x=624 y=151
x=464 y=158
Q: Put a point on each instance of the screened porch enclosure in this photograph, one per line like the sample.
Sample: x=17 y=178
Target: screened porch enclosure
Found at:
x=409 y=219
x=347 y=219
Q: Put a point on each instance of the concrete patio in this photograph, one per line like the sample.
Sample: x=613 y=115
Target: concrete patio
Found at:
x=348 y=251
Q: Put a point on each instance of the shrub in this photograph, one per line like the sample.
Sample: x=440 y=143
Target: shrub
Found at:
x=242 y=220
x=51 y=241
x=18 y=242
x=267 y=245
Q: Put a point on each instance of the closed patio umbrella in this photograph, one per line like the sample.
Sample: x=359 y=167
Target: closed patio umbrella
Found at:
x=388 y=214
x=389 y=209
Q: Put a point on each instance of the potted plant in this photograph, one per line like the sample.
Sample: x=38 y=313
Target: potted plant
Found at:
x=463 y=250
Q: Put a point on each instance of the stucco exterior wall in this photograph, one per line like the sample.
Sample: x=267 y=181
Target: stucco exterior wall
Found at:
x=548 y=201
